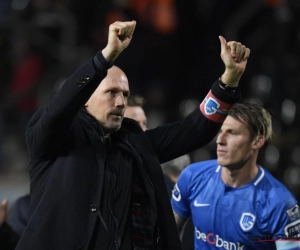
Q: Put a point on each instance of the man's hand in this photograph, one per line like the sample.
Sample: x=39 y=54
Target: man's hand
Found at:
x=234 y=56
x=119 y=37
x=3 y=208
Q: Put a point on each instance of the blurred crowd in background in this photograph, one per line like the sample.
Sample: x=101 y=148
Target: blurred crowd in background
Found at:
x=172 y=61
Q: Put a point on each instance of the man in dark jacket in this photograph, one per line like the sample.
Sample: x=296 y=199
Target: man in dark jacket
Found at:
x=96 y=180
x=18 y=215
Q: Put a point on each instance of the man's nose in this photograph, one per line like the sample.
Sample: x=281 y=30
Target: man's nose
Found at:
x=220 y=138
x=120 y=100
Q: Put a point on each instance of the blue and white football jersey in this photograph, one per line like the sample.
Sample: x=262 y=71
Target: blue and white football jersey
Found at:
x=247 y=217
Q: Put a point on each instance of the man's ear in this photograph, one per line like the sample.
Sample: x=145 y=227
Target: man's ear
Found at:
x=258 y=142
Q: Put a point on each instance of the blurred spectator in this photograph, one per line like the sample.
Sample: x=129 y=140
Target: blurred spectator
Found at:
x=172 y=170
x=135 y=111
x=18 y=216
x=12 y=229
x=8 y=238
x=24 y=87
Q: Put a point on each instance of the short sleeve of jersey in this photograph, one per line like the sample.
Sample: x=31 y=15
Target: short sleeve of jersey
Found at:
x=180 y=195
x=290 y=227
x=288 y=219
x=290 y=222
x=186 y=184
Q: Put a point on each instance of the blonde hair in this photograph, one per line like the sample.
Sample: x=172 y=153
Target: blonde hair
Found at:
x=258 y=119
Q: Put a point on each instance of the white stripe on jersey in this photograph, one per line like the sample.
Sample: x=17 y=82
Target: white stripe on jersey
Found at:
x=260 y=177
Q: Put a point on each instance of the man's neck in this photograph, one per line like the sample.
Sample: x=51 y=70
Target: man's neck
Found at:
x=239 y=177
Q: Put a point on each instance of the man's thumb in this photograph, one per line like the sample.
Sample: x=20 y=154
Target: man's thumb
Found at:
x=223 y=44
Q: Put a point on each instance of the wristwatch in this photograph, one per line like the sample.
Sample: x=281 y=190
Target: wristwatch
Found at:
x=222 y=85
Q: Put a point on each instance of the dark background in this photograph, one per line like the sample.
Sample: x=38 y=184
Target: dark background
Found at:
x=172 y=61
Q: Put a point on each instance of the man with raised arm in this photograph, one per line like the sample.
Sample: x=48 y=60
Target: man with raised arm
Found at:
x=96 y=180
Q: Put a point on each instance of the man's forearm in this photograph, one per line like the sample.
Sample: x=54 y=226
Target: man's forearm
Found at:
x=180 y=222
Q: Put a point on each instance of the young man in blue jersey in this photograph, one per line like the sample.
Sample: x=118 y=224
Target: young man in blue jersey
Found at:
x=234 y=203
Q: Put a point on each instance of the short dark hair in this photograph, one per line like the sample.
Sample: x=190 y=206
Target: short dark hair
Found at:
x=136 y=100
x=258 y=119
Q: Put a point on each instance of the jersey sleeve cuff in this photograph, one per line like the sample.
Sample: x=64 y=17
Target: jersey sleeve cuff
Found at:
x=182 y=214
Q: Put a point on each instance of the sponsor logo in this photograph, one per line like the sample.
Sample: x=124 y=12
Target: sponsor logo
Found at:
x=272 y=238
x=294 y=213
x=196 y=204
x=217 y=241
x=293 y=229
x=247 y=221
x=211 y=106
x=176 y=193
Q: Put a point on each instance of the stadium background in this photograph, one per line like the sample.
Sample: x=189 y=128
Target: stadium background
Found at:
x=172 y=61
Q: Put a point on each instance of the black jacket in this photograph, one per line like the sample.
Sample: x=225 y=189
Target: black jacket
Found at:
x=67 y=157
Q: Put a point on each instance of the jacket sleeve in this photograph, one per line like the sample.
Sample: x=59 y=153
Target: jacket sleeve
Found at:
x=8 y=238
x=50 y=126
x=197 y=129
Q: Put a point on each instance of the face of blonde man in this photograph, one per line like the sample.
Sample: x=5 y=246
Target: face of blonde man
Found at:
x=235 y=145
x=137 y=113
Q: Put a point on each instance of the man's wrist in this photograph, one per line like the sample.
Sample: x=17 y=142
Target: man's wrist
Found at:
x=100 y=64
x=231 y=78
x=225 y=86
x=109 y=55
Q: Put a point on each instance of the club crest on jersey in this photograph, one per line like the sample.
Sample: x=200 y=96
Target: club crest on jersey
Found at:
x=211 y=106
x=176 y=193
x=247 y=221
